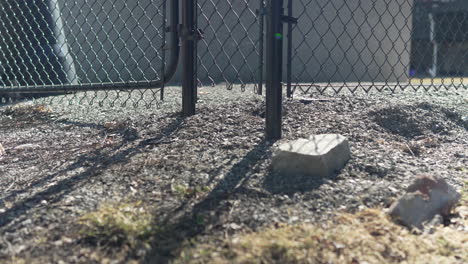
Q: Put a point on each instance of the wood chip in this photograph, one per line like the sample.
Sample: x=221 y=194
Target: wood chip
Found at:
x=2 y=150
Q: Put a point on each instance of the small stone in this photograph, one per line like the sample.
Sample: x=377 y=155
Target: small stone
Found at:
x=27 y=222
x=18 y=249
x=426 y=197
x=67 y=240
x=293 y=219
x=235 y=226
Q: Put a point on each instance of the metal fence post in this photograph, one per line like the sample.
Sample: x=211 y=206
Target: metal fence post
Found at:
x=189 y=38
x=163 y=54
x=261 y=16
x=274 y=68
x=289 y=92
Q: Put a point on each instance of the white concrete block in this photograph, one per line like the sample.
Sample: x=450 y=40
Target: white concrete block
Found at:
x=320 y=156
x=426 y=197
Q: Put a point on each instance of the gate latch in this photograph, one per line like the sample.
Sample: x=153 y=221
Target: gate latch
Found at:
x=289 y=19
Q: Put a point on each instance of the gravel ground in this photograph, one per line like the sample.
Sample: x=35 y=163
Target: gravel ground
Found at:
x=61 y=161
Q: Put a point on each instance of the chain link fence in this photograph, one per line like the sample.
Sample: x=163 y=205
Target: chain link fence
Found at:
x=64 y=46
x=338 y=46
x=231 y=50
x=345 y=46
x=128 y=49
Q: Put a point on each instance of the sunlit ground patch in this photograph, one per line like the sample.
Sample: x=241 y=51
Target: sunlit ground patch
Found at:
x=118 y=224
x=366 y=237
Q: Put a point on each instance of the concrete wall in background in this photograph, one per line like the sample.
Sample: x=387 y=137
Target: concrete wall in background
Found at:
x=336 y=41
x=339 y=40
x=114 y=40
x=29 y=44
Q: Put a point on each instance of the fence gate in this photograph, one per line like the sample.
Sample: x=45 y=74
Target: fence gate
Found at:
x=231 y=50
x=61 y=46
x=240 y=43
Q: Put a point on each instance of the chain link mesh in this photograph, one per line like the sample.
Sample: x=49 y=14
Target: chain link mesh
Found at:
x=336 y=46
x=346 y=46
x=340 y=46
x=61 y=43
x=231 y=49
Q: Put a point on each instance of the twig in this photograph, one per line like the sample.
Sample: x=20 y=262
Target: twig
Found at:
x=407 y=146
x=232 y=208
x=9 y=187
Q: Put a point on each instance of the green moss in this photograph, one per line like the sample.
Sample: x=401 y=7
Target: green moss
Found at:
x=189 y=192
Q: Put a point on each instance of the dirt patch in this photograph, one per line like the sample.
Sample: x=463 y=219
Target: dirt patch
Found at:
x=412 y=121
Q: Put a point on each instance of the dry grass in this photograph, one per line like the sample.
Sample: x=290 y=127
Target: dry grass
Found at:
x=189 y=192
x=28 y=108
x=439 y=81
x=366 y=237
x=464 y=192
x=118 y=224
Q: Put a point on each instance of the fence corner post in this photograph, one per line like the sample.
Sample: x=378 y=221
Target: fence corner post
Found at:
x=274 y=69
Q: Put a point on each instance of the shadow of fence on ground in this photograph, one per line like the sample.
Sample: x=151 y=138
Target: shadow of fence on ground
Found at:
x=192 y=223
x=95 y=162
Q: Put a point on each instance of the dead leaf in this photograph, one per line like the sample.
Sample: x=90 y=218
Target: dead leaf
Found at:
x=380 y=141
x=42 y=109
x=114 y=125
x=109 y=139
